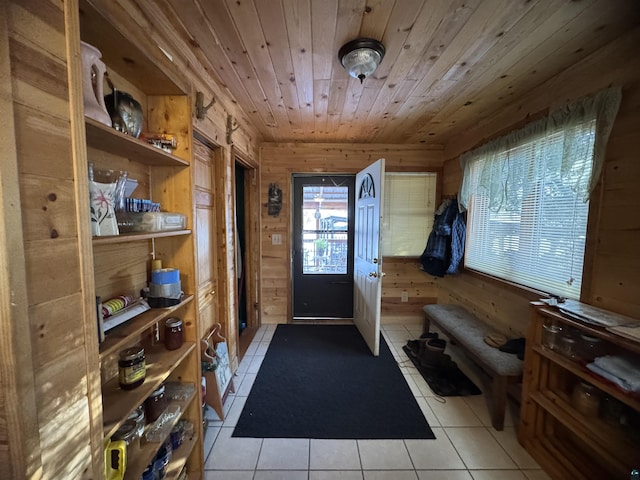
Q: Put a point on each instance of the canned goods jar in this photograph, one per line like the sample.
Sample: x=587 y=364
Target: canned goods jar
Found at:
x=173 y=336
x=155 y=404
x=131 y=368
x=586 y=399
x=130 y=433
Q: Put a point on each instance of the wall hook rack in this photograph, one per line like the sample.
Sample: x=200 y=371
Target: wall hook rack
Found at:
x=232 y=126
x=201 y=109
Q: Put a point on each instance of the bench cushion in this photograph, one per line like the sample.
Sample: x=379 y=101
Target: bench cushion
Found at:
x=469 y=331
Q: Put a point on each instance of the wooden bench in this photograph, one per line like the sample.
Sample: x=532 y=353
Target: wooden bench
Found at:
x=468 y=331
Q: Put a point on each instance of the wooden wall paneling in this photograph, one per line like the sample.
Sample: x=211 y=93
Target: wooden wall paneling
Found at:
x=222 y=22
x=130 y=277
x=245 y=15
x=278 y=162
x=611 y=257
x=297 y=16
x=612 y=63
x=275 y=33
x=505 y=308
x=532 y=63
x=20 y=453
x=616 y=261
x=404 y=274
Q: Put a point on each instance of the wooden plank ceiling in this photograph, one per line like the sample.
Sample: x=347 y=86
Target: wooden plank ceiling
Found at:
x=449 y=64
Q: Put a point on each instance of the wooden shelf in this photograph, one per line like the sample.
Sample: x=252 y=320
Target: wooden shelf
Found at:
x=122 y=54
x=107 y=139
x=585 y=374
x=122 y=334
x=592 y=330
x=179 y=459
x=136 y=237
x=589 y=429
x=118 y=404
x=139 y=460
x=566 y=443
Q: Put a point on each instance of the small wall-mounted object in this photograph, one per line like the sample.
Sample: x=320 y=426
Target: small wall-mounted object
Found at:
x=201 y=109
x=274 y=203
x=232 y=126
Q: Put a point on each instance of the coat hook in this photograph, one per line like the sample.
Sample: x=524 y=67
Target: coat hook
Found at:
x=231 y=127
x=201 y=110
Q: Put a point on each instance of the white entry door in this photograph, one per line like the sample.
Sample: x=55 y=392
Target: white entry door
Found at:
x=367 y=261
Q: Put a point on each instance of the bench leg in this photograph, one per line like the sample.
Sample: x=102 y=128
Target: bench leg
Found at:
x=426 y=323
x=499 y=401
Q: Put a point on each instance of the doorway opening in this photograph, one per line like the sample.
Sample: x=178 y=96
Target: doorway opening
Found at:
x=247 y=231
x=323 y=209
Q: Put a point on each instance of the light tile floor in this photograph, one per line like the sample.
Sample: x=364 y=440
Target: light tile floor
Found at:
x=466 y=446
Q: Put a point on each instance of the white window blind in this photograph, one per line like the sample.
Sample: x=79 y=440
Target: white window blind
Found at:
x=539 y=240
x=409 y=205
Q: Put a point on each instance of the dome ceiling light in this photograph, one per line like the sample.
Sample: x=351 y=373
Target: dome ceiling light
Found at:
x=361 y=57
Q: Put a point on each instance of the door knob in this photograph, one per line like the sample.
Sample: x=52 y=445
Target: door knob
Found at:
x=373 y=274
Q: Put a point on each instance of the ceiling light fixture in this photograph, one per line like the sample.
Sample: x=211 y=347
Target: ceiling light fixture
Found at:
x=361 y=57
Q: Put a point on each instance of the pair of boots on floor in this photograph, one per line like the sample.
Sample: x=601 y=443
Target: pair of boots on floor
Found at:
x=429 y=351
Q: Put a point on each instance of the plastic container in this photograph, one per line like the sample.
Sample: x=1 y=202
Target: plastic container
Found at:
x=154 y=222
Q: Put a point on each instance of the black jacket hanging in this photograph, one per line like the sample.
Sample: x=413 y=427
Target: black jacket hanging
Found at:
x=445 y=246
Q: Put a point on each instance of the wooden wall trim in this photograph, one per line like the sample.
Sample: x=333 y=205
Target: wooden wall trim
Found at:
x=80 y=169
x=20 y=455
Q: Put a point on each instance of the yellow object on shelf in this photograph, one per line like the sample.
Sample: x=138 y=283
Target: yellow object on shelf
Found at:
x=115 y=460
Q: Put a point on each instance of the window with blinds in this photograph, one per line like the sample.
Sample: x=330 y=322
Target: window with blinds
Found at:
x=539 y=240
x=407 y=218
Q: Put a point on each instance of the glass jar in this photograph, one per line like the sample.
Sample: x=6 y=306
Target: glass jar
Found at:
x=137 y=416
x=155 y=404
x=586 y=399
x=551 y=336
x=129 y=433
x=131 y=368
x=590 y=348
x=567 y=347
x=173 y=335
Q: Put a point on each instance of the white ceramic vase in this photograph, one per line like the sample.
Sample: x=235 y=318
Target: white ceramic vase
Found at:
x=93 y=70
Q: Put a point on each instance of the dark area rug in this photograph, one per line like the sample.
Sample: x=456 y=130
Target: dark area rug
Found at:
x=321 y=381
x=450 y=383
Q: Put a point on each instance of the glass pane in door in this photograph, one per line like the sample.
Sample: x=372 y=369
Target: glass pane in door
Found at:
x=325 y=229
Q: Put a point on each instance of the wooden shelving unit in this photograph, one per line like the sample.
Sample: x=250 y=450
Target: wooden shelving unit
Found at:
x=122 y=263
x=567 y=443
x=121 y=335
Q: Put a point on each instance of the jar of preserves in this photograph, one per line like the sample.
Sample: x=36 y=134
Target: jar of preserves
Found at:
x=173 y=335
x=586 y=399
x=131 y=368
x=155 y=404
x=590 y=348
